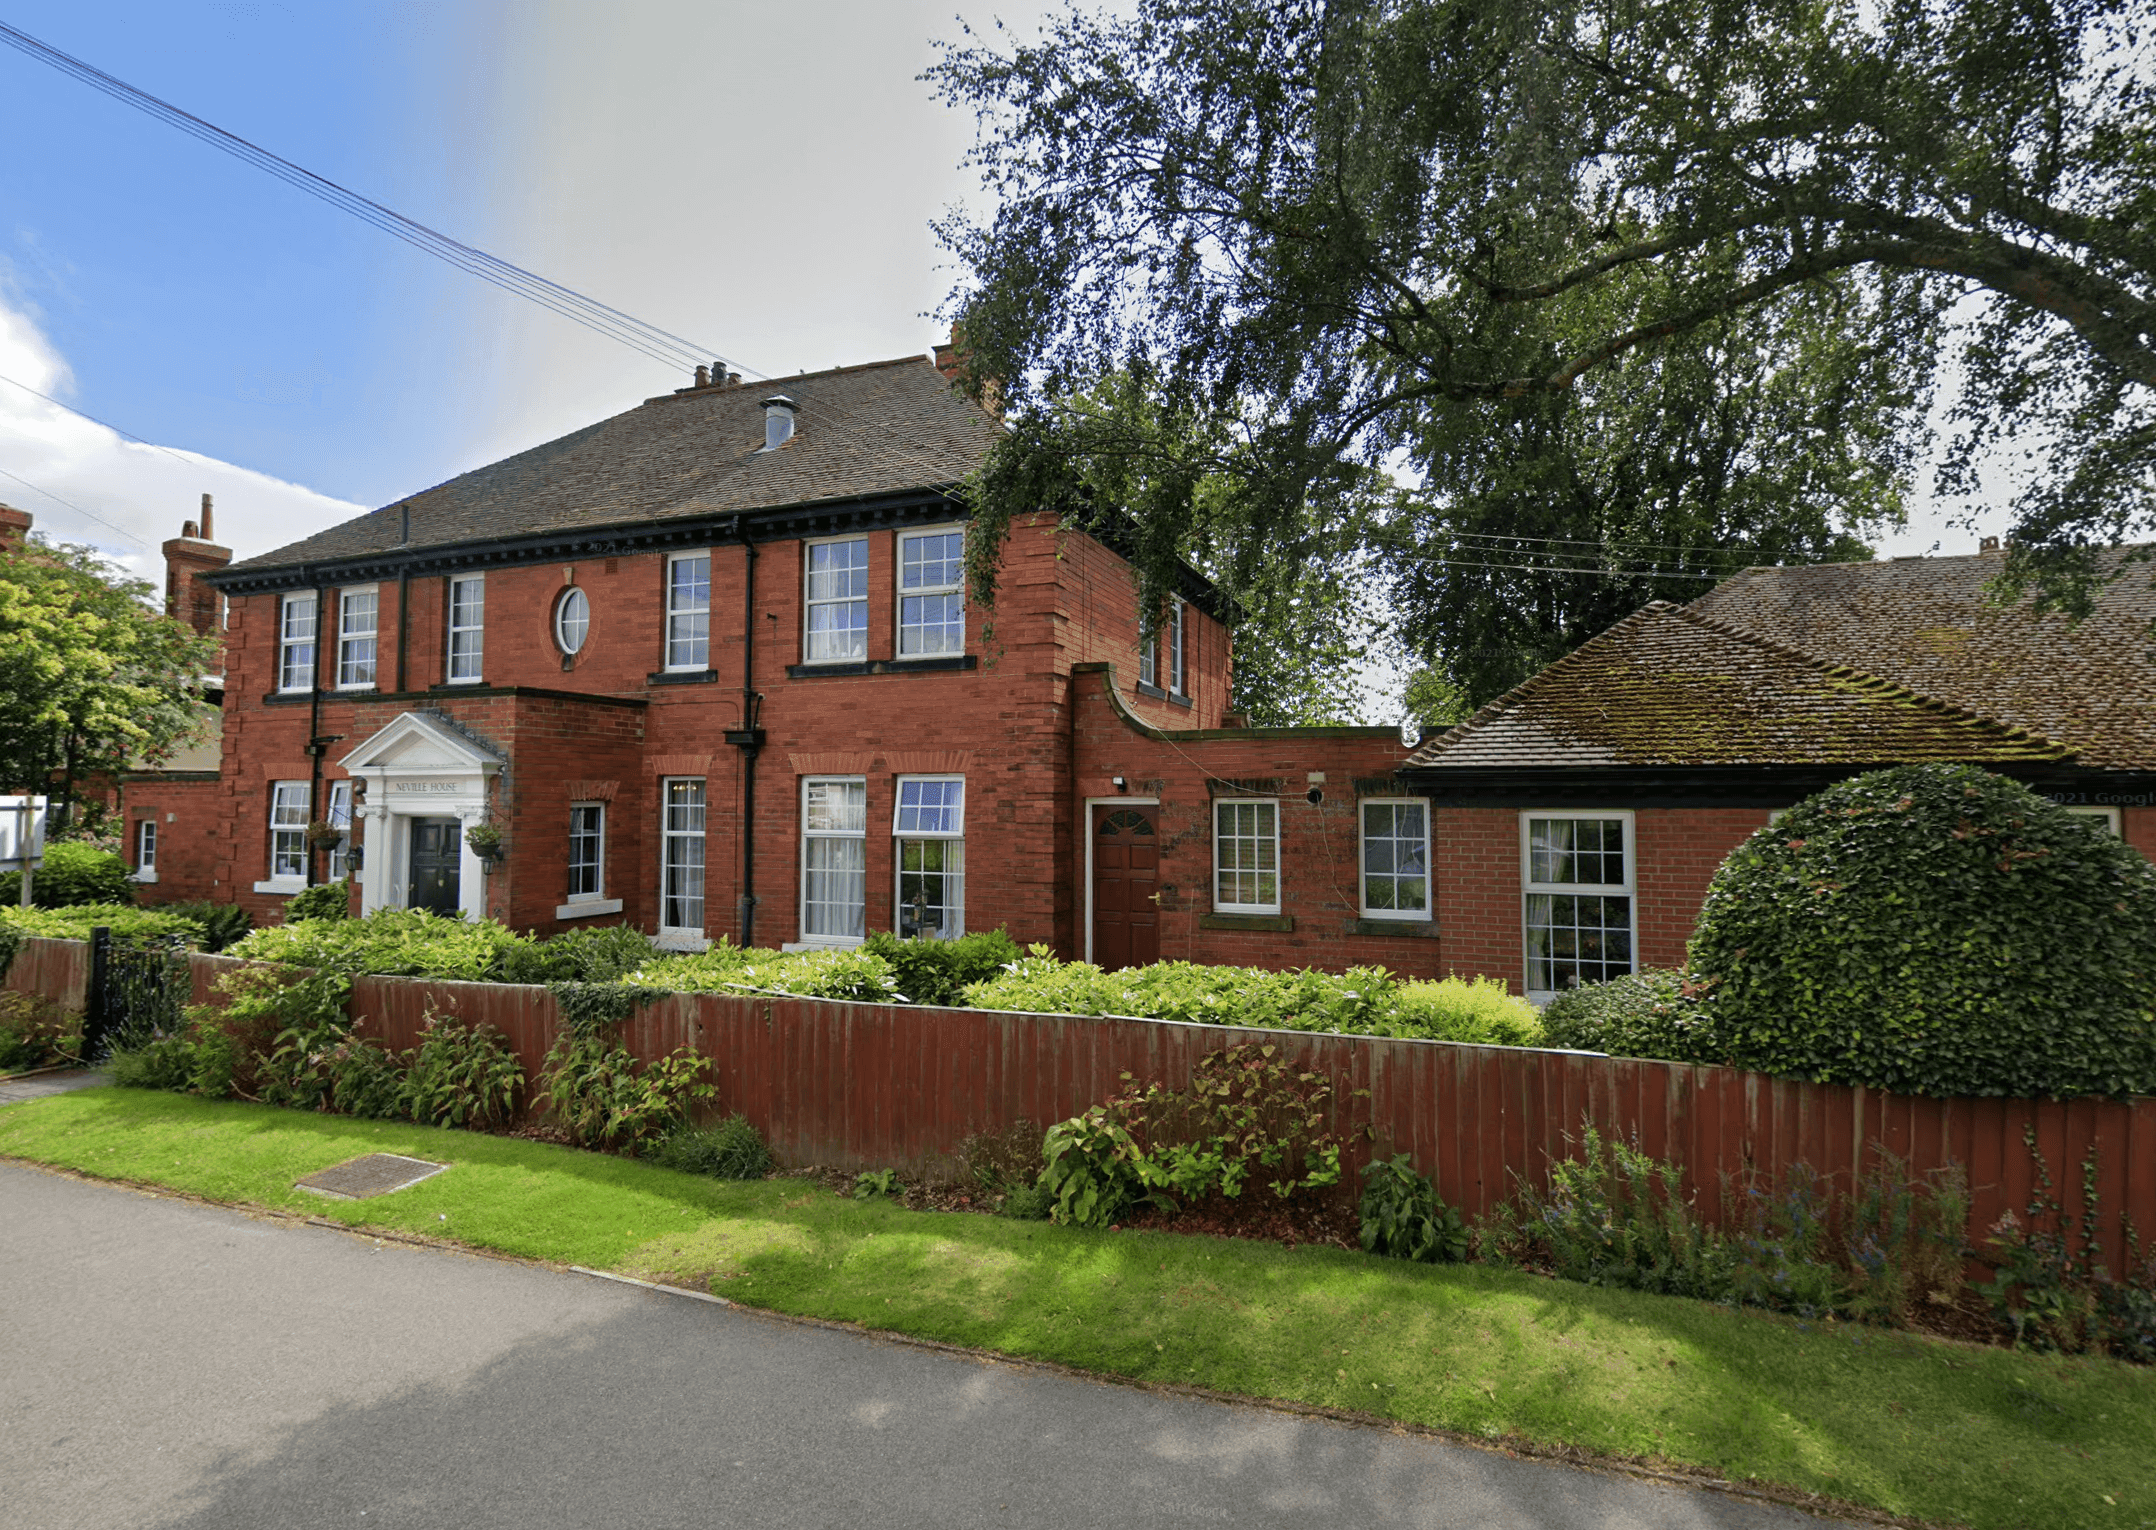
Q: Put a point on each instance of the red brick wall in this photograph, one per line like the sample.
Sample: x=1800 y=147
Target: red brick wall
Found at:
x=1679 y=851
x=1478 y=892
x=190 y=829
x=2138 y=825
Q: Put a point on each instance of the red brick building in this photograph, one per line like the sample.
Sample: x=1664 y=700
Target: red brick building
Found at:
x=1579 y=819
x=706 y=667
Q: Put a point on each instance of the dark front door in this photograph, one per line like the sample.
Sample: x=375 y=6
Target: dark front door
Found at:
x=1126 y=881
x=437 y=849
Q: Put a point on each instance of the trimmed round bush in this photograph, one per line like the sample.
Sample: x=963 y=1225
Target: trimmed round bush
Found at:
x=1934 y=929
x=1643 y=1014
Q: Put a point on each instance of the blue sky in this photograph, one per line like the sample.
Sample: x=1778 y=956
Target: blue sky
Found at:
x=758 y=177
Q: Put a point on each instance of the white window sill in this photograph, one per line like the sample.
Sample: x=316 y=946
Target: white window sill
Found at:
x=466 y=680
x=284 y=886
x=690 y=941
x=144 y=874
x=365 y=686
x=588 y=908
x=1271 y=911
x=1391 y=916
x=835 y=943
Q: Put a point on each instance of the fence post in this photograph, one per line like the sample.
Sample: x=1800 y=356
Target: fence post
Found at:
x=95 y=1009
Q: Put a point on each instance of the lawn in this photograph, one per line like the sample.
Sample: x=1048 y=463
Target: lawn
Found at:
x=1942 y=1432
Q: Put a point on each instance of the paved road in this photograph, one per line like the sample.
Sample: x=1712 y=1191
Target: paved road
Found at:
x=168 y=1364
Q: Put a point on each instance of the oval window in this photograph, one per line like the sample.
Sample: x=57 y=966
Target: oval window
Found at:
x=572 y=619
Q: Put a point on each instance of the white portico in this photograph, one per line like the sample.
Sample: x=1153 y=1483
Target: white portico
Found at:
x=425 y=784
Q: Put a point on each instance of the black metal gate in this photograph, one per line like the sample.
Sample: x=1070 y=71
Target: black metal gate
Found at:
x=138 y=991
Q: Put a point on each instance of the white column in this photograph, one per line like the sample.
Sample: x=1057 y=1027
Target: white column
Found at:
x=375 y=858
x=471 y=870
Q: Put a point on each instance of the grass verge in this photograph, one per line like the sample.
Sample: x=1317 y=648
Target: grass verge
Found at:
x=1940 y=1432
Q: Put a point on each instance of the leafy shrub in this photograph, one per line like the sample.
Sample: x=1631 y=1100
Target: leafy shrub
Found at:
x=1480 y=1009
x=590 y=954
x=1027 y=1203
x=34 y=1033
x=221 y=923
x=1643 y=1014
x=201 y=1058
x=75 y=923
x=874 y=1183
x=2051 y=1286
x=406 y=942
x=1246 y=1117
x=1402 y=1217
x=1934 y=929
x=593 y=1088
x=854 y=972
x=166 y=1063
x=74 y=872
x=729 y=1149
x=367 y=1081
x=937 y=971
x=324 y=900
x=461 y=1075
x=589 y=1007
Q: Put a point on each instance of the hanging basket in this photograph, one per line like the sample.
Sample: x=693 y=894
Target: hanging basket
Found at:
x=485 y=840
x=324 y=836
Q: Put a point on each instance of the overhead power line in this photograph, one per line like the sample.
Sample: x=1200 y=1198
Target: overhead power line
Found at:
x=660 y=345
x=94 y=420
x=88 y=514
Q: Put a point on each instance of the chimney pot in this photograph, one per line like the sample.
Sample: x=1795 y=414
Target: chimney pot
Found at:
x=1988 y=544
x=778 y=421
x=733 y=379
x=703 y=377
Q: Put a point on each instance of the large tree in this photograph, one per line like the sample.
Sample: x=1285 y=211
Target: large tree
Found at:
x=1666 y=283
x=92 y=680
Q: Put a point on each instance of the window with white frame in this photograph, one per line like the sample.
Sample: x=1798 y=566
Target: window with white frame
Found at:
x=587 y=852
x=357 y=619
x=931 y=593
x=572 y=621
x=1176 y=680
x=2107 y=816
x=1148 y=653
x=1576 y=874
x=930 y=827
x=146 y=847
x=339 y=818
x=467 y=629
x=688 y=611
x=681 y=854
x=1395 y=858
x=1246 y=856
x=289 y=801
x=837 y=601
x=834 y=859
x=295 y=644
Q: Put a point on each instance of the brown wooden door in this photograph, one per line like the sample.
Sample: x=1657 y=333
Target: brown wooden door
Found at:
x=1126 y=881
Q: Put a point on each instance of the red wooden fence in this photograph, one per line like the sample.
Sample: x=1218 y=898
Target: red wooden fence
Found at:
x=58 y=969
x=870 y=1085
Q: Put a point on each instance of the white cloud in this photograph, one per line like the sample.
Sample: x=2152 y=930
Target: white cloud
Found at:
x=87 y=483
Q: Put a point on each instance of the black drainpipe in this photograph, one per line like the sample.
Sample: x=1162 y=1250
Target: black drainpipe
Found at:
x=748 y=738
x=314 y=717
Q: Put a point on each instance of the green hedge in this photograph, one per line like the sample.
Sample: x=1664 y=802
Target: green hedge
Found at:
x=1934 y=929
x=1644 y=1014
x=73 y=873
x=75 y=923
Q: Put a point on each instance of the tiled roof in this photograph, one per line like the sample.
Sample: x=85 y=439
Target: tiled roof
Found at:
x=881 y=428
x=1925 y=623
x=1669 y=686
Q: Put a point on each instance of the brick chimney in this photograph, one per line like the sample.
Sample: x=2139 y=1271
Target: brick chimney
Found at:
x=188 y=556
x=14 y=527
x=951 y=360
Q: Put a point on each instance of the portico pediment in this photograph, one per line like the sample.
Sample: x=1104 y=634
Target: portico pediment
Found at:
x=418 y=744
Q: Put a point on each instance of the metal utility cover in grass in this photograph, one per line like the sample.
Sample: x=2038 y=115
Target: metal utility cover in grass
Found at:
x=375 y=1174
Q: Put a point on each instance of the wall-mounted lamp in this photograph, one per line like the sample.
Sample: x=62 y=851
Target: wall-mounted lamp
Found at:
x=1121 y=785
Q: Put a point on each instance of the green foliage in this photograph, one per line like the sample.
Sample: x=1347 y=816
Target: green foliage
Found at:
x=1004 y=1163
x=937 y=971
x=129 y=924
x=1402 y=1217
x=589 y=954
x=393 y=942
x=2051 y=1285
x=1642 y=1014
x=855 y=972
x=324 y=900
x=221 y=923
x=92 y=680
x=1934 y=929
x=587 y=1008
x=34 y=1033
x=1245 y=1118
x=74 y=873
x=11 y=939
x=461 y=1075
x=1366 y=1001
x=728 y=1149
x=873 y=1184
x=1479 y=1009
x=1094 y=1169
x=596 y=1091
x=164 y=1063
x=1610 y=327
